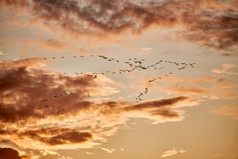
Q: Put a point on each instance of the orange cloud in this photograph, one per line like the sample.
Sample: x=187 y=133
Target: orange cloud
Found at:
x=23 y=53
x=108 y=150
x=228 y=111
x=1 y=53
x=57 y=136
x=10 y=153
x=45 y=111
x=156 y=104
x=172 y=152
x=213 y=24
x=49 y=44
x=53 y=44
x=225 y=68
x=17 y=3
x=187 y=90
x=203 y=87
x=11 y=64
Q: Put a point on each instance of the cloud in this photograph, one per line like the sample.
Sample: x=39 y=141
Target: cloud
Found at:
x=211 y=24
x=188 y=90
x=25 y=90
x=224 y=69
x=23 y=53
x=11 y=64
x=89 y=153
x=49 y=44
x=17 y=3
x=146 y=49
x=44 y=111
x=203 y=87
x=163 y=108
x=212 y=30
x=228 y=111
x=57 y=136
x=54 y=44
x=108 y=150
x=28 y=99
x=164 y=103
x=10 y=153
x=122 y=149
x=172 y=152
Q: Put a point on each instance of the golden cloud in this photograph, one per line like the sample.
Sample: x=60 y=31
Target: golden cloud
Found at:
x=45 y=111
x=228 y=111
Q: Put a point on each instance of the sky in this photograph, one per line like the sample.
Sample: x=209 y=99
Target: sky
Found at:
x=118 y=79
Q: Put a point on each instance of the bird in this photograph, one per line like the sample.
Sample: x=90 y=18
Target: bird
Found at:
x=131 y=64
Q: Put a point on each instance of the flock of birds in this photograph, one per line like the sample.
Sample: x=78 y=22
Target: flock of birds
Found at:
x=133 y=64
x=42 y=104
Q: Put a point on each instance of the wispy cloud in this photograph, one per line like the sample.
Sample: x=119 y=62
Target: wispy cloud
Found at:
x=108 y=150
x=188 y=90
x=12 y=64
x=214 y=87
x=228 y=111
x=49 y=44
x=146 y=49
x=172 y=152
x=23 y=53
x=225 y=68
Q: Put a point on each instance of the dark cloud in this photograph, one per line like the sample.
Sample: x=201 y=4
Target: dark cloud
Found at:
x=102 y=17
x=213 y=30
x=166 y=113
x=26 y=93
x=162 y=108
x=9 y=153
x=41 y=109
x=29 y=93
x=57 y=136
x=156 y=104
x=19 y=3
x=213 y=24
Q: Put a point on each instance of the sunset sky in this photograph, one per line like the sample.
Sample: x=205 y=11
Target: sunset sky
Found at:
x=118 y=79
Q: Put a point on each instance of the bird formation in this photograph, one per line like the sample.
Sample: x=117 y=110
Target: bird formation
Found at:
x=133 y=64
x=44 y=103
x=138 y=98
